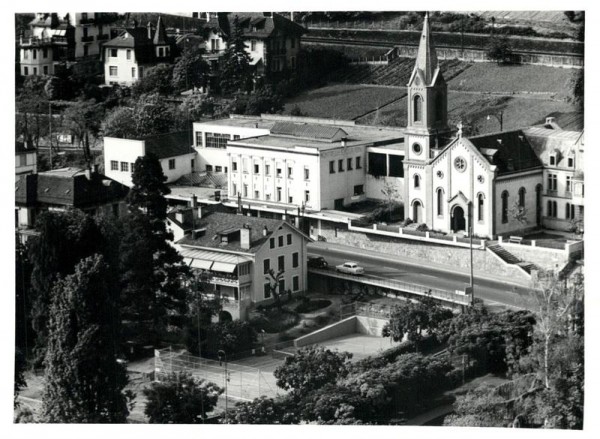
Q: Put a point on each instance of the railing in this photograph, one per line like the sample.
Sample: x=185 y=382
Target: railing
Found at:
x=392 y=284
x=569 y=248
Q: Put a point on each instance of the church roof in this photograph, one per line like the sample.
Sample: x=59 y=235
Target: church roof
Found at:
x=509 y=151
x=427 y=62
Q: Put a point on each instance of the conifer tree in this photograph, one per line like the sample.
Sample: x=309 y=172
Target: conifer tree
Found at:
x=236 y=74
x=84 y=381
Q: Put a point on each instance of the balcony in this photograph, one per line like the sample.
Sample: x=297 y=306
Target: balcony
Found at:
x=35 y=42
x=87 y=39
x=228 y=280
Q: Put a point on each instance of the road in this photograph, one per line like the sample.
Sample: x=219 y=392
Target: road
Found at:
x=492 y=292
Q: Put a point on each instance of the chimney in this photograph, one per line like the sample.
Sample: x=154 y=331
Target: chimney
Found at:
x=150 y=28
x=550 y=120
x=245 y=237
x=265 y=231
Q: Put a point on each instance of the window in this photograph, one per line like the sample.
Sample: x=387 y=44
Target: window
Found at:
x=266 y=266
x=358 y=165
x=359 y=189
x=124 y=167
x=349 y=164
x=570 y=162
x=25 y=71
x=198 y=138
x=34 y=51
x=113 y=71
x=209 y=168
x=296 y=281
x=171 y=163
x=128 y=53
x=86 y=50
x=132 y=165
x=281 y=285
x=267 y=169
x=522 y=197
x=341 y=165
x=113 y=53
x=256 y=168
x=552 y=182
x=45 y=70
x=569 y=186
x=417 y=181
x=114 y=165
x=293 y=43
x=295 y=259
x=290 y=199
x=280 y=241
x=133 y=72
x=268 y=197
x=289 y=239
x=552 y=160
x=256 y=194
x=504 y=207
x=253 y=45
x=218 y=168
x=236 y=137
x=279 y=171
x=267 y=290
x=245 y=190
x=85 y=34
x=45 y=52
x=290 y=169
x=281 y=263
x=306 y=173
x=396 y=166
x=417 y=108
x=331 y=167
x=278 y=194
x=25 y=54
x=234 y=189
x=272 y=243
x=440 y=202
x=216 y=140
x=568 y=209
x=34 y=71
x=377 y=164
x=161 y=52
x=306 y=196
x=234 y=166
x=552 y=210
x=480 y=207
x=192 y=163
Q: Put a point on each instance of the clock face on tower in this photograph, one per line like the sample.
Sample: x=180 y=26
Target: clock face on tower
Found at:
x=460 y=164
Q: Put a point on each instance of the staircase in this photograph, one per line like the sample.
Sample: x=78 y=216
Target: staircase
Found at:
x=509 y=258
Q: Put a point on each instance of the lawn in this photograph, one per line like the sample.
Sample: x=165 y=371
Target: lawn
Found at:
x=490 y=77
x=343 y=101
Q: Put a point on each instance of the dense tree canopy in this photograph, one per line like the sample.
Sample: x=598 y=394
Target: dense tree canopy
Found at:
x=83 y=381
x=235 y=74
x=190 y=70
x=180 y=399
x=156 y=79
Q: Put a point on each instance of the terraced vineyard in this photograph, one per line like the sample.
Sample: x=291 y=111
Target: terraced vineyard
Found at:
x=396 y=73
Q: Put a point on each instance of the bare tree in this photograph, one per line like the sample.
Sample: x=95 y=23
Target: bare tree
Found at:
x=274 y=279
x=519 y=213
x=391 y=194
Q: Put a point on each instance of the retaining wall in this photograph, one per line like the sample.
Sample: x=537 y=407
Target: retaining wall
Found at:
x=351 y=325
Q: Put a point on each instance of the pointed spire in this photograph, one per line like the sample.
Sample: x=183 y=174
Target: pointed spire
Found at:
x=160 y=36
x=427 y=60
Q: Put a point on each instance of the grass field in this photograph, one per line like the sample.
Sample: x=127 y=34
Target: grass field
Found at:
x=343 y=101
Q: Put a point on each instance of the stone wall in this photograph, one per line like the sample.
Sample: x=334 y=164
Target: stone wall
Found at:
x=545 y=258
x=339 y=329
x=452 y=257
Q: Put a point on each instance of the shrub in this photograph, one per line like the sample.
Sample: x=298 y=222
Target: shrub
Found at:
x=406 y=222
x=273 y=320
x=422 y=228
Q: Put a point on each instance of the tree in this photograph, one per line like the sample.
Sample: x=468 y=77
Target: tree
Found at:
x=84 y=383
x=236 y=74
x=82 y=119
x=190 y=70
x=64 y=239
x=310 y=368
x=263 y=410
x=499 y=49
x=19 y=382
x=411 y=319
x=152 y=115
x=519 y=213
x=273 y=279
x=153 y=275
x=232 y=337
x=119 y=122
x=481 y=407
x=264 y=100
x=391 y=194
x=334 y=404
x=577 y=88
x=156 y=80
x=180 y=399
x=196 y=106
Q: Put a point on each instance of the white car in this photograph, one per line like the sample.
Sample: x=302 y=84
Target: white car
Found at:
x=350 y=268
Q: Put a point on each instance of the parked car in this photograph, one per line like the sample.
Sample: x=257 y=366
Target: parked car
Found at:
x=350 y=268
x=317 y=262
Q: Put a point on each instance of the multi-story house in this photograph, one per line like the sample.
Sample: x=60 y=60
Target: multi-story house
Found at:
x=134 y=50
x=272 y=40
x=233 y=255
x=63 y=37
x=173 y=150
x=67 y=188
x=25 y=158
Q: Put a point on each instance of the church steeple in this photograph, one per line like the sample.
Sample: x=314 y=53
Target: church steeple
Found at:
x=427 y=61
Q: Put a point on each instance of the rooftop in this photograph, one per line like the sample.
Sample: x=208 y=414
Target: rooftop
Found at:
x=216 y=224
x=510 y=151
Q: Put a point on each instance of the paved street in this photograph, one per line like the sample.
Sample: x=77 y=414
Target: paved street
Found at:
x=493 y=292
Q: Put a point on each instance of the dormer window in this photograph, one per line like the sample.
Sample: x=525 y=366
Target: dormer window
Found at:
x=553 y=160
x=570 y=162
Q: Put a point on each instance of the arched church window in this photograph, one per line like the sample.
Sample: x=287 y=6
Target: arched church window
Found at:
x=417 y=181
x=440 y=202
x=522 y=197
x=480 y=207
x=505 y=206
x=418 y=108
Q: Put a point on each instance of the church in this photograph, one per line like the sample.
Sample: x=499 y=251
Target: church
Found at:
x=493 y=184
